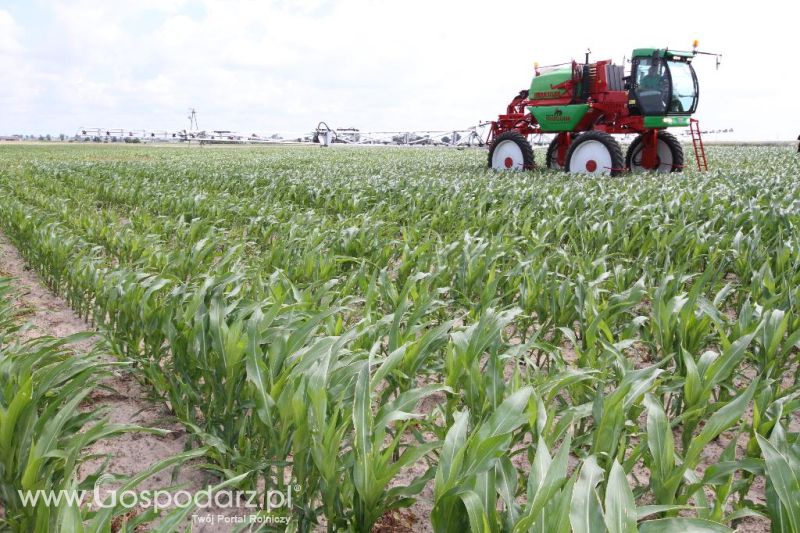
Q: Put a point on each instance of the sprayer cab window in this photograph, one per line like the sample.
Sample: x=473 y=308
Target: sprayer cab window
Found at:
x=652 y=86
x=650 y=75
x=684 y=88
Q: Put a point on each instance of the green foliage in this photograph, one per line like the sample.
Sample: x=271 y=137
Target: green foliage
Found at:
x=386 y=326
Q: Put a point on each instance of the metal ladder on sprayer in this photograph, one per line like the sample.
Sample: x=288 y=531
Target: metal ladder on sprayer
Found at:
x=697 y=142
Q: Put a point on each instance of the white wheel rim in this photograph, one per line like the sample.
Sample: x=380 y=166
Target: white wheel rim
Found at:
x=664 y=158
x=590 y=157
x=507 y=155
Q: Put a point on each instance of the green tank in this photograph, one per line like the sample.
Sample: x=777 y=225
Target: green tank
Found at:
x=542 y=85
x=556 y=117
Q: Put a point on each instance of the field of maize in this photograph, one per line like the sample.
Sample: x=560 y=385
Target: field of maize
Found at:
x=389 y=328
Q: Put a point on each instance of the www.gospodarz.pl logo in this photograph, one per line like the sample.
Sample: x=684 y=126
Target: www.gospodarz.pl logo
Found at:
x=159 y=500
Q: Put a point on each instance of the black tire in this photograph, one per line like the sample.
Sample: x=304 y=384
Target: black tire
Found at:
x=606 y=140
x=667 y=138
x=518 y=139
x=551 y=158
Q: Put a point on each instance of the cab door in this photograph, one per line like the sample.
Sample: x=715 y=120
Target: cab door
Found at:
x=651 y=86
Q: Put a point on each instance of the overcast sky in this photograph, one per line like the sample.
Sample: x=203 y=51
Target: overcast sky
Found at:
x=283 y=66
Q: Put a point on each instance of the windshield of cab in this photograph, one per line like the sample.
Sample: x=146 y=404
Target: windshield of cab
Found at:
x=684 y=88
x=651 y=85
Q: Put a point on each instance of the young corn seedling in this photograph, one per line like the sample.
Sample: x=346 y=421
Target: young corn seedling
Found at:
x=376 y=463
x=468 y=463
x=612 y=411
x=668 y=476
x=480 y=381
x=608 y=504
x=782 y=459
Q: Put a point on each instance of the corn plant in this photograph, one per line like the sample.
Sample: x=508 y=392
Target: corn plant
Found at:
x=468 y=462
x=782 y=460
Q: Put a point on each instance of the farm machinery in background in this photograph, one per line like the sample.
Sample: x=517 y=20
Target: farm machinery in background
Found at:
x=322 y=135
x=474 y=136
x=584 y=104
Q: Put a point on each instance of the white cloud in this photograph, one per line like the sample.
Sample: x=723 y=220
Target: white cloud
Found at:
x=283 y=66
x=18 y=85
x=9 y=34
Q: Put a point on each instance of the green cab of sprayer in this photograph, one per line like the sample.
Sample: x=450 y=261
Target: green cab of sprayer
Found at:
x=663 y=87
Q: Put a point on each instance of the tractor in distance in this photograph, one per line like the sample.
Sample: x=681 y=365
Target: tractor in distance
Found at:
x=584 y=104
